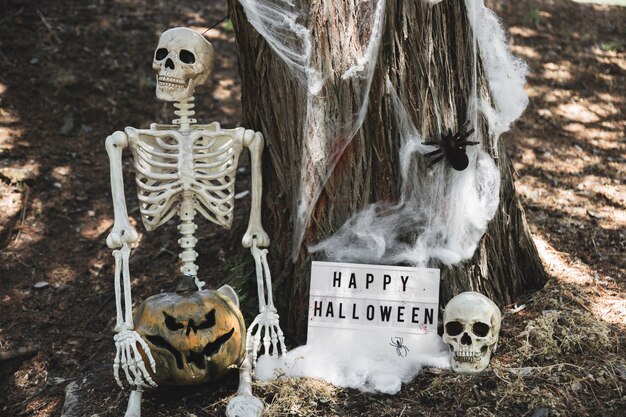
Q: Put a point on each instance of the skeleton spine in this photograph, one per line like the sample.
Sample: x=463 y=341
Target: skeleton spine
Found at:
x=185 y=110
x=187 y=229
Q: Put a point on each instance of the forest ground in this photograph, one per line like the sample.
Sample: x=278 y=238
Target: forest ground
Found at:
x=72 y=72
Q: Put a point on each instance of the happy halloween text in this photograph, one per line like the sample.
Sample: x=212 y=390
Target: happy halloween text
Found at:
x=362 y=298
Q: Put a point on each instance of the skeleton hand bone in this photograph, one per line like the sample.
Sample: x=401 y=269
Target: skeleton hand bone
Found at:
x=267 y=323
x=128 y=357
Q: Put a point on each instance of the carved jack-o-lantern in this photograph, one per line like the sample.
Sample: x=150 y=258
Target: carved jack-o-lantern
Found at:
x=194 y=336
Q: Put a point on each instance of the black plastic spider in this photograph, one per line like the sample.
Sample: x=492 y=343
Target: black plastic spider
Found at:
x=398 y=343
x=452 y=147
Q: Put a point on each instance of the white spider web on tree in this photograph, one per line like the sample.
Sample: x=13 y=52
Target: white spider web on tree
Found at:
x=446 y=211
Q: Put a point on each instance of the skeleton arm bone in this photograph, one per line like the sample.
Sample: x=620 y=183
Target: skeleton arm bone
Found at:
x=254 y=142
x=122 y=230
x=127 y=356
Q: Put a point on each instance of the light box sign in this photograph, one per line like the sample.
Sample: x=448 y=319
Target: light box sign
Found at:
x=392 y=306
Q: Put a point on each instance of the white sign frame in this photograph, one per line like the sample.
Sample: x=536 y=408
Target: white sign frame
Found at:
x=390 y=308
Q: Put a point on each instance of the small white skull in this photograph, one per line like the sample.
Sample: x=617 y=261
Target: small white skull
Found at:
x=471 y=327
x=182 y=60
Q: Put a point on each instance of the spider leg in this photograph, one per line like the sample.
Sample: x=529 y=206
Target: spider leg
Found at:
x=439 y=158
x=433 y=153
x=464 y=126
x=467 y=143
x=431 y=143
x=462 y=137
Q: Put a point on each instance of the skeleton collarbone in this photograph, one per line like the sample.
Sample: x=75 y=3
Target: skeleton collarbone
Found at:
x=170 y=164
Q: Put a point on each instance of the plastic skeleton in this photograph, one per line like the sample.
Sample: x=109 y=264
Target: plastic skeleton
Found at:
x=184 y=169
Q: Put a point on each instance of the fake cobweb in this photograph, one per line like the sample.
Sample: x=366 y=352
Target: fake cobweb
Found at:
x=445 y=211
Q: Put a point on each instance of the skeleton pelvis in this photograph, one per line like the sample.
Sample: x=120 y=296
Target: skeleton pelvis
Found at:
x=194 y=337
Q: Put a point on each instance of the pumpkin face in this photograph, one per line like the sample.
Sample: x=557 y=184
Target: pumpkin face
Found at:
x=194 y=337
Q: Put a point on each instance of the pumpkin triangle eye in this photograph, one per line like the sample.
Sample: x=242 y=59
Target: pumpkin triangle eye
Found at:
x=209 y=320
x=171 y=323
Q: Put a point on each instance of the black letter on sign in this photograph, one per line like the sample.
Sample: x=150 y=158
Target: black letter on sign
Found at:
x=354 y=316
x=386 y=281
x=370 y=312
x=385 y=312
x=415 y=319
x=341 y=316
x=428 y=315
x=336 y=279
x=401 y=314
x=329 y=310
x=369 y=278
x=352 y=283
x=317 y=310
x=404 y=281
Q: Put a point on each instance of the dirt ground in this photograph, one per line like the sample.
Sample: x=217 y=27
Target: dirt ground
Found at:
x=72 y=72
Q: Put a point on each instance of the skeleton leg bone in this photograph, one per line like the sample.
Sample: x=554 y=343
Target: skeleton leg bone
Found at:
x=245 y=404
x=134 y=404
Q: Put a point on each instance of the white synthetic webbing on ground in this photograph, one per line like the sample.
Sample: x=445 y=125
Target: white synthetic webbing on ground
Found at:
x=367 y=369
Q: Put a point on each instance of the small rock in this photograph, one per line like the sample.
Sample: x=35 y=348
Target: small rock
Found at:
x=68 y=124
x=541 y=412
x=40 y=285
x=545 y=113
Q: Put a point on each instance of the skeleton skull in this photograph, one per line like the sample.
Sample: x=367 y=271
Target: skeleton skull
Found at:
x=471 y=327
x=182 y=60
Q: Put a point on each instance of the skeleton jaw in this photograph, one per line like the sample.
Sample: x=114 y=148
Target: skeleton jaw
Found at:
x=470 y=362
x=173 y=88
x=171 y=82
x=467 y=356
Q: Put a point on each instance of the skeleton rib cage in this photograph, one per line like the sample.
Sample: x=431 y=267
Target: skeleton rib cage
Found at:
x=201 y=162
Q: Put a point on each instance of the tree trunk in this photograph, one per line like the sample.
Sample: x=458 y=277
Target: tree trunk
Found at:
x=506 y=264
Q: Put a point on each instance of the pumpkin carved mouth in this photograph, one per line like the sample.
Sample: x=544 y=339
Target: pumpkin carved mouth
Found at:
x=193 y=357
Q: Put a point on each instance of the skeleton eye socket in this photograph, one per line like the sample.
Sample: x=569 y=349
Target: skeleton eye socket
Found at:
x=187 y=57
x=160 y=54
x=454 y=328
x=480 y=329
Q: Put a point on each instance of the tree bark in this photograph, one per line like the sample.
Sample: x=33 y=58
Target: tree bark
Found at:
x=426 y=50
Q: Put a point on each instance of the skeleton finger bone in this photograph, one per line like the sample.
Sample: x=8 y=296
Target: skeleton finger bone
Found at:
x=257 y=339
x=279 y=343
x=148 y=353
x=141 y=367
x=116 y=366
x=131 y=361
x=266 y=339
x=266 y=325
x=274 y=341
x=125 y=366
